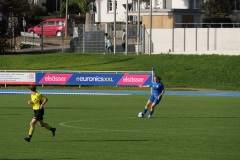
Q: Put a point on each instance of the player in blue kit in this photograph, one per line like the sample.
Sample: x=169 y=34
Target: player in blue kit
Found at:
x=155 y=98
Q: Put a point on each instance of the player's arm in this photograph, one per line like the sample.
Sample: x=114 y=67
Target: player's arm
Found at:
x=161 y=92
x=44 y=101
x=30 y=102
x=160 y=95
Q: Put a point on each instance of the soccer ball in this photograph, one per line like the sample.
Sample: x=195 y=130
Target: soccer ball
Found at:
x=140 y=115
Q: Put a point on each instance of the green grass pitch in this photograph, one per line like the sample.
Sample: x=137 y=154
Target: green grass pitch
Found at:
x=104 y=127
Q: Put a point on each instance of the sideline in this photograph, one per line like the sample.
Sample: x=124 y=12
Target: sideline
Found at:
x=111 y=92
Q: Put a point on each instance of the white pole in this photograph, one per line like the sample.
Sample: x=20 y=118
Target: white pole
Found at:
x=114 y=49
x=66 y=18
x=126 y=40
x=150 y=27
x=138 y=27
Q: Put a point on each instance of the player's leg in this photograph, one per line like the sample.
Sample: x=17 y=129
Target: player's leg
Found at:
x=123 y=46
x=110 y=50
x=152 y=110
x=31 y=129
x=155 y=102
x=47 y=126
x=148 y=104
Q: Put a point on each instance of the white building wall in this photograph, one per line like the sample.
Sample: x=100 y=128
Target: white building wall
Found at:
x=202 y=39
x=103 y=15
x=196 y=41
x=212 y=39
x=162 y=40
x=190 y=38
x=178 y=41
x=228 y=39
x=180 y=4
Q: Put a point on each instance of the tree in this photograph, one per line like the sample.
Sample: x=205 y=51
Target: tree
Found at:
x=20 y=9
x=73 y=8
x=15 y=7
x=217 y=8
x=84 y=6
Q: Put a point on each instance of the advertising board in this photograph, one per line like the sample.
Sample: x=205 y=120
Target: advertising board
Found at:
x=17 y=78
x=107 y=79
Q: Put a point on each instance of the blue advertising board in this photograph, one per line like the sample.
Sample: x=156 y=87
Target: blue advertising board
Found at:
x=108 y=79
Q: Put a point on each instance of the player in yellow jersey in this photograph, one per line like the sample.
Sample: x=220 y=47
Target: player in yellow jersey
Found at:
x=38 y=101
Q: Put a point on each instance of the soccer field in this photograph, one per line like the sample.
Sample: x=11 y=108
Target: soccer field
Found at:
x=105 y=127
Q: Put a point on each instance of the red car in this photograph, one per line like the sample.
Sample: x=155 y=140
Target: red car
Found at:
x=53 y=27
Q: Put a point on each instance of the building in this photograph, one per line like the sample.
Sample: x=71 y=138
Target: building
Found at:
x=165 y=13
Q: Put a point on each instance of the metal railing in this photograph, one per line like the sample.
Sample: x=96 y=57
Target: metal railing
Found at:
x=207 y=25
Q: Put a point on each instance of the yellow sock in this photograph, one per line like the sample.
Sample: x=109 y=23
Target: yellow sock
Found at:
x=31 y=130
x=47 y=126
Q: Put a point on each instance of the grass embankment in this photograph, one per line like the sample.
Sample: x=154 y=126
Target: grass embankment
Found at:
x=178 y=71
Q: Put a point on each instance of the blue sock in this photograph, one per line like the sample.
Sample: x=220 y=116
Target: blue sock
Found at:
x=151 y=112
x=145 y=111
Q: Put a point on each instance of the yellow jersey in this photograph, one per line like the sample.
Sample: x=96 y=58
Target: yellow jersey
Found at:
x=37 y=100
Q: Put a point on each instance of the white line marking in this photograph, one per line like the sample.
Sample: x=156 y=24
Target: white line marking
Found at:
x=168 y=131
x=65 y=93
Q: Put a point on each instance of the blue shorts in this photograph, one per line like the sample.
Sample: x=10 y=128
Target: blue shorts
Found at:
x=154 y=99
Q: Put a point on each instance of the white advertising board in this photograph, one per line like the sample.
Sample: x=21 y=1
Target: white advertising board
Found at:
x=17 y=78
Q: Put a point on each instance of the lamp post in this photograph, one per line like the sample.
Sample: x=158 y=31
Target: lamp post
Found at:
x=24 y=26
x=150 y=28
x=138 y=27
x=114 y=49
x=126 y=40
x=66 y=23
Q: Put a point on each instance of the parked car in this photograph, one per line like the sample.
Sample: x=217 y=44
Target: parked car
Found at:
x=53 y=27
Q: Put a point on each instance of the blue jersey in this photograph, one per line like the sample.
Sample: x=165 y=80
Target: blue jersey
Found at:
x=157 y=88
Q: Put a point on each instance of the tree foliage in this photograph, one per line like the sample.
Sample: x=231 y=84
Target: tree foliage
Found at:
x=73 y=8
x=15 y=7
x=217 y=8
x=20 y=8
x=83 y=4
x=76 y=6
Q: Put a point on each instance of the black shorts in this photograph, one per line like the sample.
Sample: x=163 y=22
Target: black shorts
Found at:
x=38 y=114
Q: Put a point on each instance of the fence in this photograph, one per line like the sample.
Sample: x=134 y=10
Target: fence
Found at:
x=85 y=38
x=90 y=38
x=207 y=25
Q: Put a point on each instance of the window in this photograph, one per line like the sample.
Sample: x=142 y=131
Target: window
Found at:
x=195 y=4
x=145 y=4
x=157 y=3
x=111 y=5
x=51 y=23
x=42 y=24
x=59 y=23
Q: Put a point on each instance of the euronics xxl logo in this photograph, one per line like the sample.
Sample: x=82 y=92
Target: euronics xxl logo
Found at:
x=133 y=79
x=55 y=78
x=94 y=79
